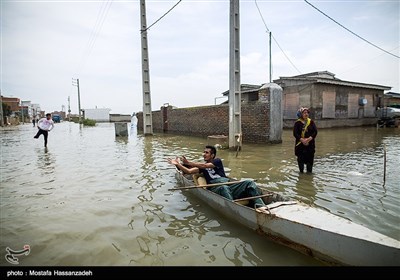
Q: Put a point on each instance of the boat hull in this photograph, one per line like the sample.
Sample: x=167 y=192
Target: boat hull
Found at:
x=312 y=231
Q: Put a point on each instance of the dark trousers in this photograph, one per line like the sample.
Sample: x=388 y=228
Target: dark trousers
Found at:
x=307 y=159
x=45 y=135
x=242 y=189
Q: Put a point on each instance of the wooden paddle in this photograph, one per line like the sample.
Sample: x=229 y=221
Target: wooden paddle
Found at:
x=206 y=186
x=253 y=197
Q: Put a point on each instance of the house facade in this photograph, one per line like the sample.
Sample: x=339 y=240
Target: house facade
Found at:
x=13 y=102
x=391 y=99
x=332 y=102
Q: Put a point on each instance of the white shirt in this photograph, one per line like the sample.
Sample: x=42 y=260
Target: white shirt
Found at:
x=46 y=124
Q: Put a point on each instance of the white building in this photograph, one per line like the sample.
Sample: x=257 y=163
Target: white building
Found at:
x=28 y=105
x=99 y=115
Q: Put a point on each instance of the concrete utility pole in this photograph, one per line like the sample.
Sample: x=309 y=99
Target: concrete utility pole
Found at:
x=235 y=125
x=69 y=110
x=270 y=58
x=1 y=110
x=79 y=96
x=147 y=115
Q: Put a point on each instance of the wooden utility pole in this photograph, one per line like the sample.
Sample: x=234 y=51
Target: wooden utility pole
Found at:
x=147 y=115
x=235 y=126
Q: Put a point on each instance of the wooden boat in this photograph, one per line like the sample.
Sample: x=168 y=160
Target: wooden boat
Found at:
x=312 y=231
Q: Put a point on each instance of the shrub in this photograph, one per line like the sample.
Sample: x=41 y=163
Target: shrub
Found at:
x=89 y=122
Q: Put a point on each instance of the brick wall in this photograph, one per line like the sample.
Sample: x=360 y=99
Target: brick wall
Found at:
x=255 y=122
x=212 y=120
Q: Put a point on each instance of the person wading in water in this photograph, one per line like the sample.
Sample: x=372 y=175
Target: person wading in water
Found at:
x=304 y=131
x=44 y=125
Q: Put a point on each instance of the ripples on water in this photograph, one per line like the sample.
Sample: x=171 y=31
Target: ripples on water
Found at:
x=95 y=199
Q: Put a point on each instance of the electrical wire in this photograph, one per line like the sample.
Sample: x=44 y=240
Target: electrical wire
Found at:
x=255 y=1
x=294 y=66
x=367 y=62
x=365 y=40
x=101 y=17
x=141 y=31
x=266 y=27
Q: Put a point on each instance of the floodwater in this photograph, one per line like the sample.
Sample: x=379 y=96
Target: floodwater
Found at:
x=92 y=198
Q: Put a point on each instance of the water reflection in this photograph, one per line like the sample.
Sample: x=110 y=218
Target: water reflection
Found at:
x=45 y=161
x=150 y=213
x=101 y=200
x=122 y=140
x=222 y=241
x=306 y=188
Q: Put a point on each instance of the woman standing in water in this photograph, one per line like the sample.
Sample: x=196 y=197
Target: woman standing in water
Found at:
x=304 y=131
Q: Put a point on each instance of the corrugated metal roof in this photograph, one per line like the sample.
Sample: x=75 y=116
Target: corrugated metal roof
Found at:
x=245 y=88
x=323 y=77
x=334 y=81
x=392 y=94
x=351 y=84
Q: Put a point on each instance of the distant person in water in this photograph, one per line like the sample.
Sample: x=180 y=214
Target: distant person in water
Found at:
x=33 y=121
x=44 y=125
x=304 y=131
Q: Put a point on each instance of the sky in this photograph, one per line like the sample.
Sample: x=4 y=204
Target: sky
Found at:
x=45 y=45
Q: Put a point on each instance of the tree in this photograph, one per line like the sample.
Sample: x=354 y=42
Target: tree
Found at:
x=6 y=109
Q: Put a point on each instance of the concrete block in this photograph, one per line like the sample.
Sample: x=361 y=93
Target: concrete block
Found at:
x=121 y=129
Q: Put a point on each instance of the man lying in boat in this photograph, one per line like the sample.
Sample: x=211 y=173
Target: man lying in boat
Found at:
x=213 y=171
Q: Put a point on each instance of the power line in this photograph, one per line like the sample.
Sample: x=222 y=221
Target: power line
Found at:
x=141 y=31
x=350 y=30
x=255 y=1
x=286 y=55
x=101 y=17
x=367 y=62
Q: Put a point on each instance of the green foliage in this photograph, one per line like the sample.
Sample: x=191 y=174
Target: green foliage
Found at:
x=6 y=109
x=89 y=122
x=74 y=119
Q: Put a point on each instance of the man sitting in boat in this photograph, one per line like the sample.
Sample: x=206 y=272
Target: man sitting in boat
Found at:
x=213 y=171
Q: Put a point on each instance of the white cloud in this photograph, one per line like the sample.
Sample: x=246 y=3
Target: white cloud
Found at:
x=45 y=45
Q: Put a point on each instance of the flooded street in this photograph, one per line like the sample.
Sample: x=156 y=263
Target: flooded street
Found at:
x=92 y=198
